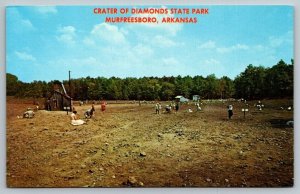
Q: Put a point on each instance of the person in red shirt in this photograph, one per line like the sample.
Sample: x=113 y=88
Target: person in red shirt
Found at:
x=103 y=106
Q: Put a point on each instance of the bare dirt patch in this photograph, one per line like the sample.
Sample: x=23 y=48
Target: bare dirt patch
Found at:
x=129 y=145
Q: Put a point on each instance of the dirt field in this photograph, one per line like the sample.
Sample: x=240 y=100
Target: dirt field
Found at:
x=130 y=146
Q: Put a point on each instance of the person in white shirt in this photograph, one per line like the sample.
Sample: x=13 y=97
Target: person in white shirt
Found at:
x=75 y=120
x=28 y=114
x=230 y=111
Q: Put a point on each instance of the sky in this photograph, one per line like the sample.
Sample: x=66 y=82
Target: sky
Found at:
x=44 y=43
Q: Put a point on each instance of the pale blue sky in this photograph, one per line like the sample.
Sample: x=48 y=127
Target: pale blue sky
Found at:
x=44 y=43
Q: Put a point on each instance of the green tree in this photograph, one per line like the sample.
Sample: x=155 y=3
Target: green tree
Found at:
x=12 y=84
x=226 y=87
x=211 y=87
x=250 y=84
x=167 y=91
x=279 y=80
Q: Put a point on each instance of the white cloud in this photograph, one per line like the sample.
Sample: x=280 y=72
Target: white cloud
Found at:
x=46 y=9
x=240 y=47
x=211 y=62
x=212 y=45
x=67 y=30
x=67 y=35
x=142 y=50
x=88 y=41
x=84 y=61
x=277 y=41
x=26 y=23
x=20 y=23
x=124 y=31
x=74 y=63
x=90 y=61
x=259 y=47
x=232 y=48
x=170 y=61
x=163 y=41
x=208 y=45
x=108 y=32
x=25 y=56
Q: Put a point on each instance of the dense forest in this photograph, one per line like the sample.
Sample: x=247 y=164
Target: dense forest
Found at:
x=254 y=83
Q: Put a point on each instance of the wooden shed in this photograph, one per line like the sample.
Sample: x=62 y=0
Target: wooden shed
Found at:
x=59 y=100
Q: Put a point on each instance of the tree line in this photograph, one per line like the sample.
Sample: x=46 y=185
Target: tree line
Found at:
x=253 y=83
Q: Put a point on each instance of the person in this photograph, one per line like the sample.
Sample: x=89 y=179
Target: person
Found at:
x=157 y=108
x=28 y=114
x=230 y=111
x=80 y=103
x=48 y=105
x=173 y=105
x=198 y=106
x=177 y=106
x=75 y=120
x=259 y=105
x=37 y=106
x=103 y=106
x=90 y=112
x=168 y=109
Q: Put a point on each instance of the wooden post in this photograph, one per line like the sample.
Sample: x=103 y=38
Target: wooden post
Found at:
x=245 y=110
x=70 y=91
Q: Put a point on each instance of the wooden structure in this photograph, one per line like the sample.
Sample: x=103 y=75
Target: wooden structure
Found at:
x=59 y=100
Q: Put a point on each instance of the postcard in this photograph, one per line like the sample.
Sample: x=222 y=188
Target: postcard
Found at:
x=150 y=96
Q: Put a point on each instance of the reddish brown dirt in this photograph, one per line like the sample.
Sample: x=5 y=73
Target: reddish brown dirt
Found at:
x=129 y=145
